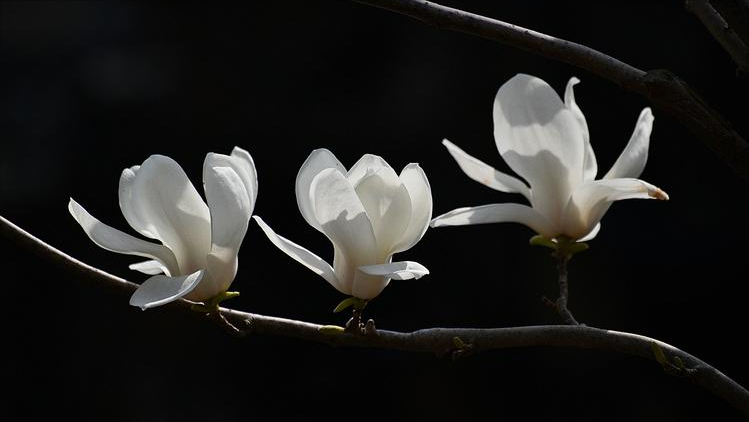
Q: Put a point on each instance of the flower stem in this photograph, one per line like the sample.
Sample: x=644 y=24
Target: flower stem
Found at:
x=564 y=292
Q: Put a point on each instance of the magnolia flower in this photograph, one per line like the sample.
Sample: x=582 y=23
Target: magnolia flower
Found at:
x=546 y=142
x=199 y=242
x=369 y=213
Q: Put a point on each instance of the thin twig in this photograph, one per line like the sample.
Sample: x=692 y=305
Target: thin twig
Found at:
x=439 y=341
x=664 y=89
x=720 y=30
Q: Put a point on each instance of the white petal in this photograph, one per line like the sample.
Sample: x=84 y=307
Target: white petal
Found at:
x=344 y=221
x=593 y=233
x=241 y=162
x=158 y=200
x=540 y=140
x=632 y=160
x=114 y=240
x=301 y=255
x=366 y=165
x=230 y=208
x=151 y=267
x=403 y=270
x=591 y=201
x=417 y=185
x=318 y=160
x=497 y=213
x=590 y=166
x=486 y=174
x=160 y=289
x=388 y=207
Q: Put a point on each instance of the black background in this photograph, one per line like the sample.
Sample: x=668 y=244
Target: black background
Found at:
x=91 y=88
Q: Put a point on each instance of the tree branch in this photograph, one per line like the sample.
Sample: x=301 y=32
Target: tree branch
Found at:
x=433 y=340
x=736 y=14
x=664 y=89
x=720 y=30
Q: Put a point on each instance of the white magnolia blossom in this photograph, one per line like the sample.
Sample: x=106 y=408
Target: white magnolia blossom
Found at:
x=197 y=257
x=369 y=213
x=545 y=141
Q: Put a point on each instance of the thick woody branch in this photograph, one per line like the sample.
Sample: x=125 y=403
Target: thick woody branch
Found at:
x=736 y=15
x=433 y=340
x=719 y=29
x=664 y=89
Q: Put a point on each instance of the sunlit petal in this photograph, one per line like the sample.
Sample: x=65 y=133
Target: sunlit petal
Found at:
x=318 y=160
x=417 y=185
x=540 y=140
x=301 y=254
x=161 y=289
x=150 y=267
x=388 y=206
x=497 y=213
x=403 y=270
x=366 y=165
x=158 y=200
x=590 y=166
x=632 y=160
x=486 y=174
x=591 y=201
x=115 y=240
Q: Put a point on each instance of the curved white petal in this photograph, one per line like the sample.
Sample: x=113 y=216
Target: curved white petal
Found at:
x=160 y=289
x=241 y=162
x=318 y=160
x=486 y=174
x=301 y=255
x=367 y=164
x=497 y=213
x=403 y=270
x=417 y=185
x=158 y=201
x=230 y=208
x=344 y=221
x=632 y=160
x=590 y=166
x=539 y=138
x=367 y=286
x=388 y=207
x=593 y=233
x=151 y=267
x=591 y=201
x=114 y=240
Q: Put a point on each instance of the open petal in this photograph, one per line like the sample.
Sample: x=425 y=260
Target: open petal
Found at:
x=160 y=289
x=344 y=221
x=318 y=160
x=632 y=160
x=366 y=165
x=151 y=267
x=497 y=213
x=388 y=207
x=417 y=185
x=540 y=140
x=241 y=162
x=115 y=240
x=301 y=254
x=486 y=174
x=590 y=166
x=158 y=201
x=403 y=270
x=591 y=201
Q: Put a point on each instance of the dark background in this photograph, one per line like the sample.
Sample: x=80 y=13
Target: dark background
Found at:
x=89 y=88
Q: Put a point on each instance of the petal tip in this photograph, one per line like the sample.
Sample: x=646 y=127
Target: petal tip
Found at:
x=658 y=193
